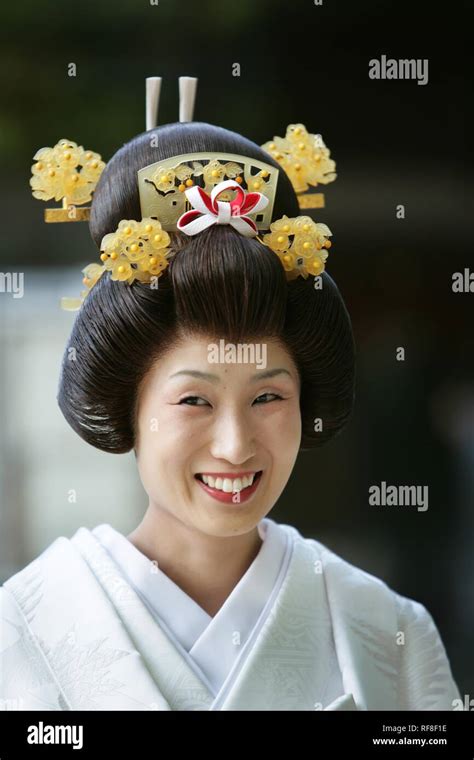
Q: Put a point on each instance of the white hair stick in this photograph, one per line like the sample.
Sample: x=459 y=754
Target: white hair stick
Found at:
x=153 y=89
x=187 y=97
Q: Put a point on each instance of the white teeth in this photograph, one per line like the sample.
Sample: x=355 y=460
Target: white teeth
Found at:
x=227 y=485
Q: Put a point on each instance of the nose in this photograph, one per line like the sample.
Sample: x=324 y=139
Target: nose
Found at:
x=233 y=437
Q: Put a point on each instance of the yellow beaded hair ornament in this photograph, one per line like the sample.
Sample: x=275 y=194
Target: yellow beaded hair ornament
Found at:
x=189 y=192
x=305 y=159
x=69 y=173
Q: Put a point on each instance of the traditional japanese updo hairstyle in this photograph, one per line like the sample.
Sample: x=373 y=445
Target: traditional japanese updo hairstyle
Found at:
x=218 y=284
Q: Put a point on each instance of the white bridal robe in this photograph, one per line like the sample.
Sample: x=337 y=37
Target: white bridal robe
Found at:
x=93 y=624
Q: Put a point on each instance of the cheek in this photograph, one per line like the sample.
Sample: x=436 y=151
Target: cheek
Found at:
x=286 y=437
x=166 y=438
x=161 y=424
x=286 y=440
x=285 y=424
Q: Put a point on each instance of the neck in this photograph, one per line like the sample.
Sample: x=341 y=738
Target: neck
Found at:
x=207 y=568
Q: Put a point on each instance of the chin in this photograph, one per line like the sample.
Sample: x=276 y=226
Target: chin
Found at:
x=227 y=525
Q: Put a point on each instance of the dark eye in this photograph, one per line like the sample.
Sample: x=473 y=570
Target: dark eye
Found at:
x=192 y=399
x=269 y=394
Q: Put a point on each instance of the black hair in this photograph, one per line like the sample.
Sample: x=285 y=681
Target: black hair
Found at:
x=218 y=284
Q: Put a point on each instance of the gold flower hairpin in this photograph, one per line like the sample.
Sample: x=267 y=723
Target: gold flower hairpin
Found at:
x=301 y=245
x=305 y=159
x=135 y=251
x=69 y=173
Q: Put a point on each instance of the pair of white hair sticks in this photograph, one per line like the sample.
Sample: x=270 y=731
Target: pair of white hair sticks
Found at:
x=187 y=97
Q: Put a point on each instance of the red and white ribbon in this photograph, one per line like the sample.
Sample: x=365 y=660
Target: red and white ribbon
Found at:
x=208 y=210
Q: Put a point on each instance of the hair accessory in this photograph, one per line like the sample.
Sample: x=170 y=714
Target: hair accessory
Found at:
x=220 y=188
x=162 y=186
x=301 y=245
x=209 y=210
x=152 y=100
x=305 y=159
x=187 y=97
x=69 y=173
x=135 y=251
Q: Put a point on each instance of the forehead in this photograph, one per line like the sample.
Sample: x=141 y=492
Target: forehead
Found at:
x=226 y=360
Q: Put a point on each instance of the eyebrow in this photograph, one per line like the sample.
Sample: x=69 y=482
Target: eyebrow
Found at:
x=216 y=379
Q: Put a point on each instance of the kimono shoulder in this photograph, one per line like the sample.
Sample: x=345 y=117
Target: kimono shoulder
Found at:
x=394 y=635
x=62 y=644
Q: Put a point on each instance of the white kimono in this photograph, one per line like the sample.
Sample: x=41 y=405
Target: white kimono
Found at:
x=92 y=624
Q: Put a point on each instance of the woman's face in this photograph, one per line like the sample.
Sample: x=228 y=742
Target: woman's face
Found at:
x=232 y=418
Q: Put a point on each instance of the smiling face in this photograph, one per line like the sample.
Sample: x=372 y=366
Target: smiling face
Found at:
x=223 y=418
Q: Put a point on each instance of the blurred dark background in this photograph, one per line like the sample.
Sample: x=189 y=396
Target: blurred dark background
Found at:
x=394 y=142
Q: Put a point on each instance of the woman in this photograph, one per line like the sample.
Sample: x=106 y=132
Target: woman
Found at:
x=208 y=604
